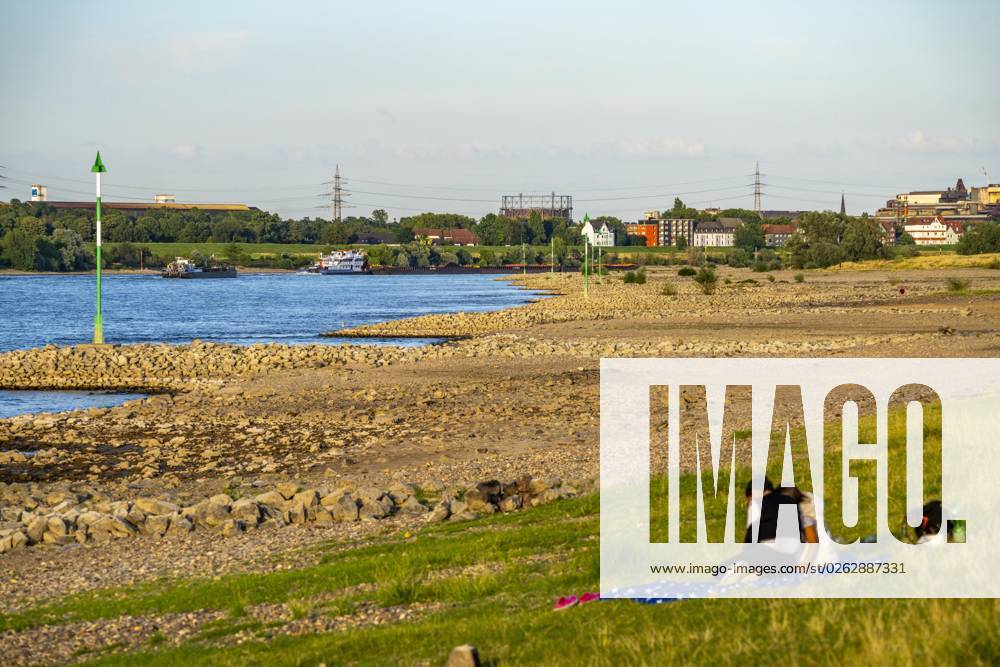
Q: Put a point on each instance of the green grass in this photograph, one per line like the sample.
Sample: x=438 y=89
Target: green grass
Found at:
x=491 y=583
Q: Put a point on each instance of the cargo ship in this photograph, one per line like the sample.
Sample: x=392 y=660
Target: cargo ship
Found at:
x=340 y=262
x=184 y=268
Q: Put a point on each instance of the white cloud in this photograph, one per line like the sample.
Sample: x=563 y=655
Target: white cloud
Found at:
x=208 y=50
x=663 y=147
x=918 y=142
x=183 y=151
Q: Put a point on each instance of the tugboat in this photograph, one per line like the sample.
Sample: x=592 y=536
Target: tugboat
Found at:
x=340 y=262
x=182 y=267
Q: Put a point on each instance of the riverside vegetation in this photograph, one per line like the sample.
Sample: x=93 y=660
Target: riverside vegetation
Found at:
x=378 y=505
x=35 y=236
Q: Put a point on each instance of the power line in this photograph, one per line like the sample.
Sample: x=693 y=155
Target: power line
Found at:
x=337 y=200
x=160 y=188
x=547 y=190
x=832 y=192
x=852 y=185
x=756 y=188
x=267 y=188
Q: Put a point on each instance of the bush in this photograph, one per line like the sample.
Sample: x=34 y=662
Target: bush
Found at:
x=824 y=254
x=738 y=258
x=635 y=277
x=770 y=278
x=707 y=280
x=686 y=271
x=799 y=278
x=957 y=284
x=668 y=289
x=982 y=238
x=995 y=264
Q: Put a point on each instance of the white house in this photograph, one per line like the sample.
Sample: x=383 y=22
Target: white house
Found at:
x=719 y=233
x=598 y=234
x=934 y=231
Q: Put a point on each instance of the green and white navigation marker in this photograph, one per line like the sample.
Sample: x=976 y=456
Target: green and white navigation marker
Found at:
x=98 y=169
x=586 y=260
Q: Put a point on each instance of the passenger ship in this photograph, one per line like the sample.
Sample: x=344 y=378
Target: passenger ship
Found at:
x=340 y=262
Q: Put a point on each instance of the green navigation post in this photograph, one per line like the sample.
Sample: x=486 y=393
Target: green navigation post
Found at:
x=98 y=169
x=586 y=259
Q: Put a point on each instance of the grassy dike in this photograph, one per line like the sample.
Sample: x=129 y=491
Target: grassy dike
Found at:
x=491 y=582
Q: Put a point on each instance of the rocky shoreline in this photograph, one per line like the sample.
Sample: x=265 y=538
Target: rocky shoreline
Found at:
x=170 y=368
x=86 y=516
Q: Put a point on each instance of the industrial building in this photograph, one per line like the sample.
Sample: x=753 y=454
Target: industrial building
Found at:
x=550 y=207
x=956 y=204
x=39 y=194
x=141 y=208
x=454 y=236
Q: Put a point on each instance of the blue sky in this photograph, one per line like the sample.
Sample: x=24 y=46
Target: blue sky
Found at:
x=447 y=105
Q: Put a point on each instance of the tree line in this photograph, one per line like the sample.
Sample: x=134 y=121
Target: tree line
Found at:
x=35 y=236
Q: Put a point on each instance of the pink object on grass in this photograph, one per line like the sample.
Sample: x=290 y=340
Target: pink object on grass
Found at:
x=565 y=602
x=589 y=597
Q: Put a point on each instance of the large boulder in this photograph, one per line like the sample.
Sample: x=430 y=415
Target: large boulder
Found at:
x=207 y=513
x=155 y=506
x=247 y=511
x=344 y=508
x=413 y=506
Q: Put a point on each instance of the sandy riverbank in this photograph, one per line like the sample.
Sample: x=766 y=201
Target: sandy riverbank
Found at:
x=517 y=396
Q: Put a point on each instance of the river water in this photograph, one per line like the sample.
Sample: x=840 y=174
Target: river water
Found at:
x=253 y=308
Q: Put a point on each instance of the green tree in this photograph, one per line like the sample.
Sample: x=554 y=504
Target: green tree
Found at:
x=487 y=257
x=20 y=249
x=797 y=250
x=824 y=253
x=862 y=239
x=681 y=242
x=984 y=237
x=536 y=228
x=558 y=249
x=679 y=210
x=749 y=236
x=825 y=226
x=380 y=217
x=336 y=233
x=72 y=255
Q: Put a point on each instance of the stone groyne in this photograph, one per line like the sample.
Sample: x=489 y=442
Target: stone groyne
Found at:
x=169 y=368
